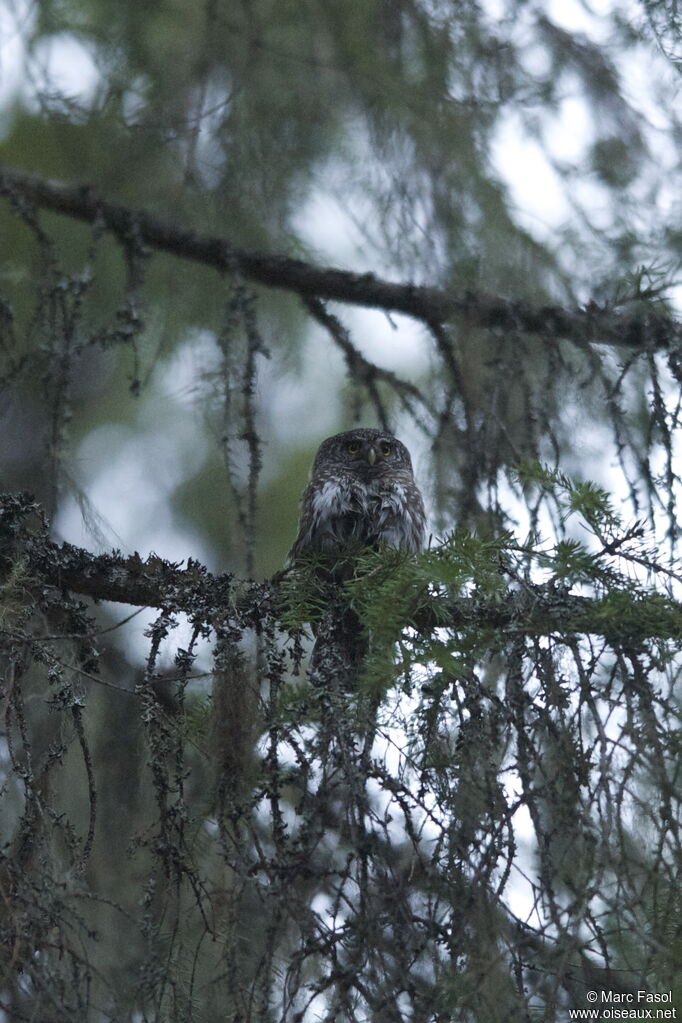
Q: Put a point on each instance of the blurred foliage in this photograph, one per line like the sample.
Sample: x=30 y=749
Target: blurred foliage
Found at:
x=260 y=120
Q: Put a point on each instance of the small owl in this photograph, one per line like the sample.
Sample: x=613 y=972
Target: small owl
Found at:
x=361 y=494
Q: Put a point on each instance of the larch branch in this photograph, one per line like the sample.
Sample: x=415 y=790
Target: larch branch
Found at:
x=592 y=324
x=205 y=597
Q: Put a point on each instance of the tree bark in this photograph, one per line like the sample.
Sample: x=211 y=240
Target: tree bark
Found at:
x=192 y=589
x=592 y=324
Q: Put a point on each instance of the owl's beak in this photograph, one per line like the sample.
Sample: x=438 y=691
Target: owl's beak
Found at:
x=371 y=456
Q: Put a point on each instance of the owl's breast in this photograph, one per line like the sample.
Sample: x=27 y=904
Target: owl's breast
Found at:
x=341 y=510
x=347 y=511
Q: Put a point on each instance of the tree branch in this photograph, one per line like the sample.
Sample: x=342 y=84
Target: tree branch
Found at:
x=365 y=372
x=590 y=325
x=193 y=590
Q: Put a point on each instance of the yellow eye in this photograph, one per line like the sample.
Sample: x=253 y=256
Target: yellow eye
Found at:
x=353 y=447
x=386 y=450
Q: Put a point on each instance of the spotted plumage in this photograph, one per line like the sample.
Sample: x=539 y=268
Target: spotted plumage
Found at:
x=361 y=494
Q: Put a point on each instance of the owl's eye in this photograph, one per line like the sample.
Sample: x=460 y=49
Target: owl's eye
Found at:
x=386 y=450
x=353 y=447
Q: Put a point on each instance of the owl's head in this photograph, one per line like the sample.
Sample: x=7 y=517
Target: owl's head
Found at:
x=364 y=452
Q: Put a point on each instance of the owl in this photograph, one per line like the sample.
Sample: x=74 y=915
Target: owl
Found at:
x=361 y=494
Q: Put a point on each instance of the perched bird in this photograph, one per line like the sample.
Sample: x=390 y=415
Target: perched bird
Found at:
x=361 y=494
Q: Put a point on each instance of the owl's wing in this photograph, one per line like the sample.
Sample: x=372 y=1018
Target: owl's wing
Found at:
x=327 y=514
x=401 y=520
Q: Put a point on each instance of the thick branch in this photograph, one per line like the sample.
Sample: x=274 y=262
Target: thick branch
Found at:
x=428 y=304
x=203 y=596
x=618 y=617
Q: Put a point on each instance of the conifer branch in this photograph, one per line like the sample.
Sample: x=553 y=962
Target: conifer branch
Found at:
x=592 y=324
x=192 y=589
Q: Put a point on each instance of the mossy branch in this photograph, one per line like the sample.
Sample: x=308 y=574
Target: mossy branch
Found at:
x=620 y=615
x=647 y=329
